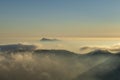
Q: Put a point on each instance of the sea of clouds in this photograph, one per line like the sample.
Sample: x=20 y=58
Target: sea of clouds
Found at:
x=20 y=62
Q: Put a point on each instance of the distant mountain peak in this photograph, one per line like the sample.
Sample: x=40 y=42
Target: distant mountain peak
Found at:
x=48 y=39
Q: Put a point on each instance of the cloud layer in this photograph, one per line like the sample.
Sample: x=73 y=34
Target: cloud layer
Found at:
x=114 y=48
x=31 y=66
x=56 y=65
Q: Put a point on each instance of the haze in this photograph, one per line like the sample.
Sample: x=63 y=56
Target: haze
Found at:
x=56 y=18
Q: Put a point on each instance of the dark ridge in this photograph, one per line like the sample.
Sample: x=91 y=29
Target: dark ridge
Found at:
x=17 y=48
x=55 y=52
x=47 y=39
x=117 y=54
x=99 y=52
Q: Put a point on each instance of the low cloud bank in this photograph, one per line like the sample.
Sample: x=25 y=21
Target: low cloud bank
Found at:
x=114 y=48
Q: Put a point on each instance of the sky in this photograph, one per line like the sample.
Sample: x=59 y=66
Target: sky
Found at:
x=66 y=18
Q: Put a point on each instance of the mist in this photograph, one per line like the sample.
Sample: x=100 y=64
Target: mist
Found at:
x=28 y=66
x=44 y=65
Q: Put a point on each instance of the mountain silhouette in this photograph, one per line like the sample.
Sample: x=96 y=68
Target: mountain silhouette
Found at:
x=47 y=39
x=99 y=52
x=55 y=52
x=17 y=48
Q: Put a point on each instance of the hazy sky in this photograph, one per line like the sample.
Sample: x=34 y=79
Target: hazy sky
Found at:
x=81 y=18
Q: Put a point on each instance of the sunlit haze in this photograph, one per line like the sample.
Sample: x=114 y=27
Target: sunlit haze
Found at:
x=59 y=18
